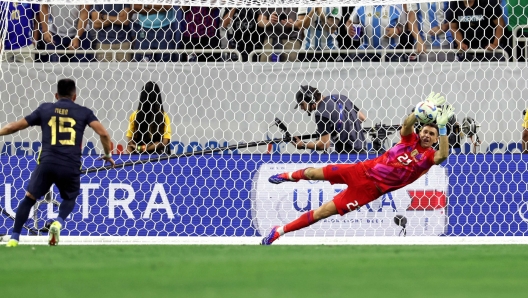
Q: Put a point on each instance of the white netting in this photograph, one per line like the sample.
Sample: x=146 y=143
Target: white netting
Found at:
x=240 y=3
x=225 y=75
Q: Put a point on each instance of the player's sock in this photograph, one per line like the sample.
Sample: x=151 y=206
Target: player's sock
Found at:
x=298 y=175
x=301 y=222
x=15 y=236
x=60 y=220
x=65 y=208
x=294 y=176
x=22 y=215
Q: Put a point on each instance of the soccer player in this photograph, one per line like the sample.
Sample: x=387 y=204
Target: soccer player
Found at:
x=59 y=162
x=401 y=165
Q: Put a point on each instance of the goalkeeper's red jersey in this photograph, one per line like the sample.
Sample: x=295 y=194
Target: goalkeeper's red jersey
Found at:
x=401 y=165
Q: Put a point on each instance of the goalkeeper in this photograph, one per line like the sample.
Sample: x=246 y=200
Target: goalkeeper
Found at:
x=401 y=165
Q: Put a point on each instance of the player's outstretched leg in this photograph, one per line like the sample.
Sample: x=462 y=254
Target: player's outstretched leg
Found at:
x=272 y=236
x=307 y=219
x=304 y=174
x=22 y=215
x=301 y=222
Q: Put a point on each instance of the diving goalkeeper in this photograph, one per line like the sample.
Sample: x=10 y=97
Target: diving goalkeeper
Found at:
x=401 y=165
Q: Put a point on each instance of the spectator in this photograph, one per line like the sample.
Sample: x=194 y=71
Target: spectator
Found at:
x=430 y=30
x=282 y=34
x=149 y=126
x=112 y=31
x=506 y=33
x=156 y=27
x=67 y=31
x=201 y=31
x=320 y=28
x=248 y=29
x=380 y=26
x=476 y=24
x=22 y=30
x=346 y=42
x=525 y=132
x=406 y=40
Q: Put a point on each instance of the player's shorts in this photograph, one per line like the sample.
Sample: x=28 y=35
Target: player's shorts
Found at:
x=360 y=191
x=66 y=178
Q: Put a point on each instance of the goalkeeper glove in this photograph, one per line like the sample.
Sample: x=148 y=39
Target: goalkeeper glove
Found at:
x=436 y=98
x=443 y=116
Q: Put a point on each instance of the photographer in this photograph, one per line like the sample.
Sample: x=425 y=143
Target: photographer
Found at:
x=338 y=121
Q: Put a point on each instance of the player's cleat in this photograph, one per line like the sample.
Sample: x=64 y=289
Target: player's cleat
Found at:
x=12 y=243
x=54 y=233
x=272 y=236
x=279 y=178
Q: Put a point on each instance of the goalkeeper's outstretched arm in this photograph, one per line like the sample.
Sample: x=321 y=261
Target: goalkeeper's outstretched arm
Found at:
x=441 y=119
x=443 y=151
x=408 y=125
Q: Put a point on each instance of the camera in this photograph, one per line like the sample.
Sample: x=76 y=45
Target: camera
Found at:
x=379 y=133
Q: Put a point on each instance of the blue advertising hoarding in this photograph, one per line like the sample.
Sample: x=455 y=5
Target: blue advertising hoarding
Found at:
x=211 y=195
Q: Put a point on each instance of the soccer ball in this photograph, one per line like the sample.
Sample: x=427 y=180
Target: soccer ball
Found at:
x=425 y=112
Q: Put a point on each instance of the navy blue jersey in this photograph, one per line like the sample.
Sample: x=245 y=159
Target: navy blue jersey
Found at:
x=63 y=124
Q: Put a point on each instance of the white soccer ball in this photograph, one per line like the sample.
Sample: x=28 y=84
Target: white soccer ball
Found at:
x=425 y=112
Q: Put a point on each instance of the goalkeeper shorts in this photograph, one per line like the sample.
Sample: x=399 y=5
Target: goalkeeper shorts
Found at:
x=360 y=191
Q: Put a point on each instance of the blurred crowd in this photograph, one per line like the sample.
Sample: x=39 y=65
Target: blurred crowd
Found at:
x=466 y=30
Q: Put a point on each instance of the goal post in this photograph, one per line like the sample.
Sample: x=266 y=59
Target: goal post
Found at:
x=225 y=142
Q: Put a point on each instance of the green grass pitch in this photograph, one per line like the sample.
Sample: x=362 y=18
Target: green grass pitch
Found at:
x=256 y=271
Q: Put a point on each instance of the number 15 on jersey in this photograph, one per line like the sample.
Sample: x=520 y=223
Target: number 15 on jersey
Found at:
x=61 y=127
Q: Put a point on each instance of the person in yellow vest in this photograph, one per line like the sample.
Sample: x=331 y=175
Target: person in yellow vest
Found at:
x=149 y=128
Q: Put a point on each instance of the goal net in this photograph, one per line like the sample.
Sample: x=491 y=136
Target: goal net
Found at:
x=226 y=74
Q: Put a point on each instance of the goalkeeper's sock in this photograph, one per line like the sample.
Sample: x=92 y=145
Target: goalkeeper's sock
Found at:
x=22 y=215
x=303 y=221
x=294 y=176
x=65 y=208
x=298 y=175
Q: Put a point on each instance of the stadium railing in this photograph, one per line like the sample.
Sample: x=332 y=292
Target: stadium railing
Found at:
x=516 y=41
x=148 y=51
x=383 y=53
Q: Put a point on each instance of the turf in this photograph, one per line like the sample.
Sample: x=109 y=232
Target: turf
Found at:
x=254 y=271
